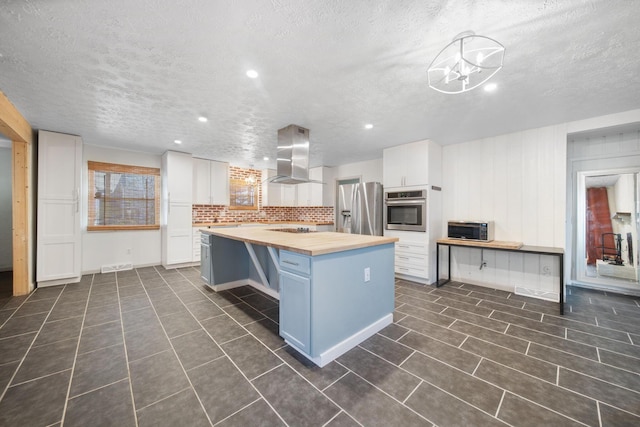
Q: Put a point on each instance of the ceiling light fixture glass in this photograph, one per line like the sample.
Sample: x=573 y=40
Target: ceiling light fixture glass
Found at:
x=252 y=74
x=177 y=141
x=203 y=119
x=465 y=63
x=368 y=126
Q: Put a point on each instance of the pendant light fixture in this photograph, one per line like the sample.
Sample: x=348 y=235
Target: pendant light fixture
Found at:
x=465 y=63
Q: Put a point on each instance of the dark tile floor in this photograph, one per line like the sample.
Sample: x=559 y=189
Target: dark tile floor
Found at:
x=155 y=347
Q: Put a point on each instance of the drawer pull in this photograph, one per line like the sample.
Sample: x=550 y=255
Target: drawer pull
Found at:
x=284 y=261
x=403 y=257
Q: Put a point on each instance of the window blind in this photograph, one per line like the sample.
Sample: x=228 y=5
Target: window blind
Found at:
x=123 y=197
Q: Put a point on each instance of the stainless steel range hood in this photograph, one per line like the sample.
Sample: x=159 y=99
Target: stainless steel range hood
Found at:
x=293 y=156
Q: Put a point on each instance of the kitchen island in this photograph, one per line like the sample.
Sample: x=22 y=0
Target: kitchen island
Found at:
x=335 y=289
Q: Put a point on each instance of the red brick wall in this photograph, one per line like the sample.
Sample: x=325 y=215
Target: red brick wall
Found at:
x=216 y=213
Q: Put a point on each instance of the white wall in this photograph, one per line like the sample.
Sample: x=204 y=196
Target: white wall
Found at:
x=141 y=247
x=367 y=171
x=518 y=181
x=6 y=239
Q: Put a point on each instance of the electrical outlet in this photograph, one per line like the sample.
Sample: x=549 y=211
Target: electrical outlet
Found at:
x=367 y=274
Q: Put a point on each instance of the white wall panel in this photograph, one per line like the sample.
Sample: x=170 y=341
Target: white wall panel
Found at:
x=518 y=181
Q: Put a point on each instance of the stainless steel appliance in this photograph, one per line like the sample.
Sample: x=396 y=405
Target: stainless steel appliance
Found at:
x=359 y=208
x=470 y=230
x=406 y=210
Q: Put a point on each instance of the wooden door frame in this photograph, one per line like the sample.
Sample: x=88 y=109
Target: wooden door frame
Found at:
x=14 y=126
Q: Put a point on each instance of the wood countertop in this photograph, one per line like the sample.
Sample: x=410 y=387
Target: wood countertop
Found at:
x=266 y=223
x=480 y=244
x=311 y=244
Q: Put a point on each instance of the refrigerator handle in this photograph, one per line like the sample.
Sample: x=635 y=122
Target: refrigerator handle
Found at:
x=356 y=215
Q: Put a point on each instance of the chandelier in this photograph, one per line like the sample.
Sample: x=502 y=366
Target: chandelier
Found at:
x=465 y=63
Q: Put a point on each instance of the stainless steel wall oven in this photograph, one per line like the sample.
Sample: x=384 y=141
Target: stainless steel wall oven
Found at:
x=406 y=210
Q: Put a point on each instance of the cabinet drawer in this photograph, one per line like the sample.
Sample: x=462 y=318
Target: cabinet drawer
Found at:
x=295 y=262
x=412 y=271
x=415 y=247
x=411 y=259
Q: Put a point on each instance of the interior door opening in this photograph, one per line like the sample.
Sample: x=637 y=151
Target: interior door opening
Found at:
x=6 y=223
x=607 y=229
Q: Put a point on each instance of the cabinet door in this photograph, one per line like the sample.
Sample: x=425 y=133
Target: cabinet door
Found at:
x=179 y=176
x=288 y=195
x=416 y=164
x=201 y=182
x=205 y=264
x=295 y=310
x=58 y=220
x=219 y=183
x=303 y=195
x=394 y=166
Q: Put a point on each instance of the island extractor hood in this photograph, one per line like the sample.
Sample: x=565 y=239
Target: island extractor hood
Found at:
x=293 y=156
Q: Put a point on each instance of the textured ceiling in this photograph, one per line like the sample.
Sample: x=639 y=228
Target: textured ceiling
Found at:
x=137 y=74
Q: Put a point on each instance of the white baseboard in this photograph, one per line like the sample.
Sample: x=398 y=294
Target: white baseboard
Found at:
x=347 y=344
x=57 y=282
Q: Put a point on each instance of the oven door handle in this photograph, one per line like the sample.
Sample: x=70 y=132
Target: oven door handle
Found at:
x=407 y=202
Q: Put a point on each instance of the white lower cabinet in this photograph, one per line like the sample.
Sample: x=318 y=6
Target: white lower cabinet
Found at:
x=412 y=258
x=411 y=255
x=58 y=248
x=197 y=244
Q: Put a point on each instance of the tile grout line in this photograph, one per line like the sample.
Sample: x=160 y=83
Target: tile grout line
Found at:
x=225 y=354
x=4 y=392
x=504 y=392
x=75 y=356
x=384 y=392
x=175 y=353
x=404 y=402
x=238 y=411
x=126 y=353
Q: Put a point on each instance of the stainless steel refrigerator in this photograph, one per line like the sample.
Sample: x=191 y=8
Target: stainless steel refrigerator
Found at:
x=359 y=208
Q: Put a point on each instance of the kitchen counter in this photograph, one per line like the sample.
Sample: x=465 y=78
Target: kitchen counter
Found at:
x=311 y=244
x=335 y=289
x=265 y=223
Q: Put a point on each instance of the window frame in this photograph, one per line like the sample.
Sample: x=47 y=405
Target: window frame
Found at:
x=93 y=166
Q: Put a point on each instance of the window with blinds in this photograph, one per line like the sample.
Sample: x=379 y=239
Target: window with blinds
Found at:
x=123 y=197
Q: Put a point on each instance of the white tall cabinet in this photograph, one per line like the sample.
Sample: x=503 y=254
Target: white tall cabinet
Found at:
x=416 y=166
x=177 y=240
x=58 y=247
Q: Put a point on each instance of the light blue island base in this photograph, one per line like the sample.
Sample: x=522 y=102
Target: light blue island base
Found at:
x=329 y=303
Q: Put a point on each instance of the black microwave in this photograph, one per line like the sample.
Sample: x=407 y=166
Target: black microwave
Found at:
x=470 y=230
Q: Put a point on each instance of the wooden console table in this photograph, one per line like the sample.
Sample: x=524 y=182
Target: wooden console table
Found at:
x=500 y=246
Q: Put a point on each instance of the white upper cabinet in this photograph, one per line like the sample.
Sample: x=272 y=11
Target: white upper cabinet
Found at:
x=413 y=164
x=58 y=233
x=210 y=182
x=308 y=194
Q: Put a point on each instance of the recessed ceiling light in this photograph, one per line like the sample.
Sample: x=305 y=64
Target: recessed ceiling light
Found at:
x=490 y=87
x=203 y=119
x=177 y=141
x=265 y=158
x=252 y=74
x=368 y=126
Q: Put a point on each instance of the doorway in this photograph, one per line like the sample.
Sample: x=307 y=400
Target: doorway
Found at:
x=607 y=228
x=6 y=224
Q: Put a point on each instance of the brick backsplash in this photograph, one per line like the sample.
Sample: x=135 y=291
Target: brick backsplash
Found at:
x=216 y=213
